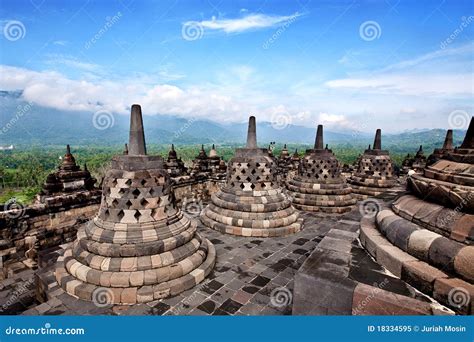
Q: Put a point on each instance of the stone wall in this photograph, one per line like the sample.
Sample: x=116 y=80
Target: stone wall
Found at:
x=201 y=189
x=53 y=225
x=38 y=222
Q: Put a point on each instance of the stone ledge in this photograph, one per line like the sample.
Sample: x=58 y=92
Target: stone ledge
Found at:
x=416 y=273
x=323 y=285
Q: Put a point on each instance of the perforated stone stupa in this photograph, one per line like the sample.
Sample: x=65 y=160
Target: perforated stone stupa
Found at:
x=251 y=203
x=374 y=173
x=427 y=237
x=69 y=179
x=319 y=185
x=139 y=247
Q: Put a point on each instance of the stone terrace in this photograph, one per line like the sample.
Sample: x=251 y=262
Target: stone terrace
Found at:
x=247 y=272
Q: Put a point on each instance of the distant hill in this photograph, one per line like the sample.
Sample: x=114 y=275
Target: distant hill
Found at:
x=40 y=126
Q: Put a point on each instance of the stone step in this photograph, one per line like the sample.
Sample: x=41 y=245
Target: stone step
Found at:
x=451 y=256
x=452 y=292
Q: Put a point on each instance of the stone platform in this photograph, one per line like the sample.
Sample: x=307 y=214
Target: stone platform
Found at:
x=256 y=276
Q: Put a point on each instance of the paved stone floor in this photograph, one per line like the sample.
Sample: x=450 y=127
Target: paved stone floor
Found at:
x=247 y=272
x=252 y=276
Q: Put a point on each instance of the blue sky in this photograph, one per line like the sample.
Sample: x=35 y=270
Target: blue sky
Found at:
x=347 y=64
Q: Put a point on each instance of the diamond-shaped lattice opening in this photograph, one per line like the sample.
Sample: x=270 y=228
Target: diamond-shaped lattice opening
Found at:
x=152 y=192
x=248 y=179
x=253 y=171
x=121 y=191
x=238 y=178
x=106 y=213
x=114 y=203
x=242 y=186
x=120 y=214
x=257 y=164
x=114 y=182
x=143 y=182
x=128 y=204
x=252 y=186
x=137 y=214
x=243 y=171
x=128 y=182
x=136 y=193
x=263 y=185
x=143 y=202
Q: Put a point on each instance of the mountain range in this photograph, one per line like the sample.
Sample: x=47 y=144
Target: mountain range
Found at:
x=25 y=126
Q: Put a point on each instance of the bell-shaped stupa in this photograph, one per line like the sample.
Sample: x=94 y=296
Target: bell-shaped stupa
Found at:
x=139 y=247
x=374 y=172
x=319 y=185
x=251 y=203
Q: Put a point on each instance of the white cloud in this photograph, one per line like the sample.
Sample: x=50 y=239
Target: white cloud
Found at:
x=71 y=62
x=248 y=22
x=425 y=75
x=334 y=120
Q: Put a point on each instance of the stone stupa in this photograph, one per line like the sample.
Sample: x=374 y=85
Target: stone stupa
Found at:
x=438 y=153
x=319 y=185
x=427 y=237
x=139 y=247
x=251 y=203
x=69 y=184
x=374 y=173
x=174 y=165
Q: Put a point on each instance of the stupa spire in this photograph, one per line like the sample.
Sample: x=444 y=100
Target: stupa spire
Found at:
x=378 y=140
x=136 y=143
x=448 y=141
x=252 y=133
x=318 y=144
x=469 y=138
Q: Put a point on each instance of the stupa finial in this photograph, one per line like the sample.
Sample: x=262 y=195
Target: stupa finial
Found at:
x=318 y=144
x=448 y=141
x=378 y=139
x=252 y=133
x=136 y=142
x=468 y=141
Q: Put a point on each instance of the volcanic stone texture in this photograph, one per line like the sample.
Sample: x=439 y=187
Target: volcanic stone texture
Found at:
x=319 y=186
x=374 y=173
x=252 y=203
x=139 y=247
